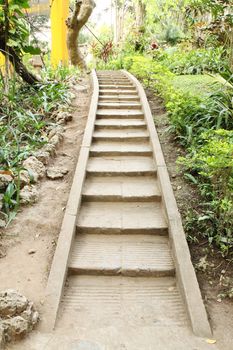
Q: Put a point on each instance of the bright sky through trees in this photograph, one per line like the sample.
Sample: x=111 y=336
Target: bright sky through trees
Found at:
x=102 y=14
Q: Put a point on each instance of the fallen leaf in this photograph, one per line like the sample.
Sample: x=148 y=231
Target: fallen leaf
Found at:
x=211 y=341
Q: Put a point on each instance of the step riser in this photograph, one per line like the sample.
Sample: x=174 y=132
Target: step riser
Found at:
x=119 y=153
x=121 y=139
x=114 y=82
x=117 y=87
x=113 y=198
x=120 y=127
x=104 y=116
x=120 y=106
x=103 y=92
x=121 y=272
x=118 y=100
x=122 y=231
x=121 y=173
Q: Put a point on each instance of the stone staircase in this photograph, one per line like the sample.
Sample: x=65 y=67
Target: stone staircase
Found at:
x=123 y=269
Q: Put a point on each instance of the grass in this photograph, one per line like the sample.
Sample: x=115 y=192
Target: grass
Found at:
x=198 y=85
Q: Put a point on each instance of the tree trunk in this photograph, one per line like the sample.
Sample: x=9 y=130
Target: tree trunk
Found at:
x=140 y=11
x=16 y=62
x=82 y=11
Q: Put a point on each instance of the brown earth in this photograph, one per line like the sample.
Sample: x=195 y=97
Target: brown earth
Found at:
x=214 y=270
x=30 y=240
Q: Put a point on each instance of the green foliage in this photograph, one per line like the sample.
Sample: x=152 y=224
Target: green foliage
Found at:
x=26 y=115
x=19 y=28
x=197 y=61
x=213 y=163
x=172 y=34
x=197 y=85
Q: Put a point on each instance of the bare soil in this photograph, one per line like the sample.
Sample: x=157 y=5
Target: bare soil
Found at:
x=30 y=240
x=216 y=270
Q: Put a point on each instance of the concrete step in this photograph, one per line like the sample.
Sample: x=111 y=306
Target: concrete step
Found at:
x=122 y=188
x=139 y=255
x=117 y=148
x=112 y=92
x=113 y=166
x=119 y=98
x=119 y=114
x=114 y=82
x=121 y=135
x=117 y=87
x=101 y=124
x=119 y=303
x=119 y=105
x=122 y=218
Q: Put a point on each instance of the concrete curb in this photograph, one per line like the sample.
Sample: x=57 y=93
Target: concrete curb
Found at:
x=186 y=276
x=58 y=272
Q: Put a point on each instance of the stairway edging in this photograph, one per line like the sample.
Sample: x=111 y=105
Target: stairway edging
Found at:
x=59 y=268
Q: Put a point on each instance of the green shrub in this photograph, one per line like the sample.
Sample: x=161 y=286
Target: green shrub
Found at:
x=26 y=114
x=213 y=163
x=196 y=61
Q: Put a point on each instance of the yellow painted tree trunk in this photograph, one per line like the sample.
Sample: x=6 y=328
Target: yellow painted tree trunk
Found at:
x=2 y=61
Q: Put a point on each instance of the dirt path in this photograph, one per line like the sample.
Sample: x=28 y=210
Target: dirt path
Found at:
x=36 y=228
x=220 y=311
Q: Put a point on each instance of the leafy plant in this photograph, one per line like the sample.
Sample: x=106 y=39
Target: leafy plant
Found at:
x=213 y=163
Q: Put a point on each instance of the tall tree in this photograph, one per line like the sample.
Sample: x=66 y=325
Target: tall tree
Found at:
x=81 y=13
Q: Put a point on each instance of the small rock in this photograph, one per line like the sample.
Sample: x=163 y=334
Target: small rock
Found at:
x=29 y=194
x=12 y=303
x=34 y=167
x=64 y=117
x=51 y=149
x=179 y=187
x=42 y=156
x=80 y=89
x=5 y=180
x=17 y=328
x=55 y=140
x=58 y=130
x=31 y=251
x=24 y=178
x=56 y=173
x=17 y=316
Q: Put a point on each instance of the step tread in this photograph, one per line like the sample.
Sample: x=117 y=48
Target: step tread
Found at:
x=117 y=92
x=134 y=255
x=115 y=105
x=111 y=146
x=119 y=133
x=122 y=217
x=119 y=98
x=137 y=301
x=126 y=187
x=121 y=164
x=117 y=112
x=120 y=122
